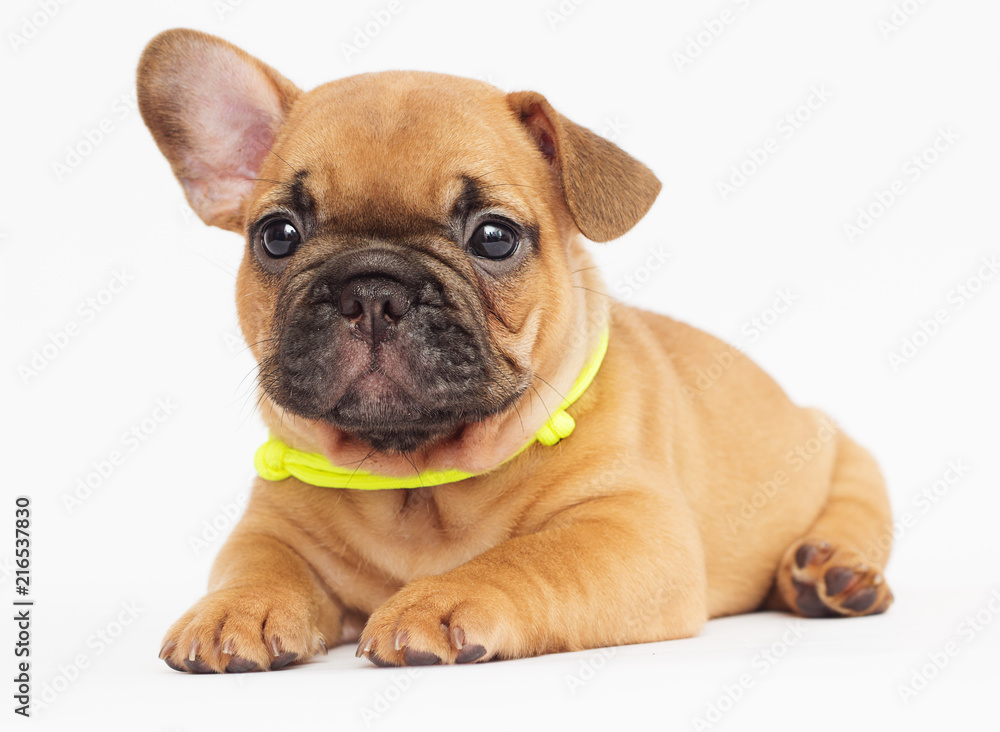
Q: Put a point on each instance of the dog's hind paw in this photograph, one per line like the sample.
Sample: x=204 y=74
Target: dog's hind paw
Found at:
x=819 y=580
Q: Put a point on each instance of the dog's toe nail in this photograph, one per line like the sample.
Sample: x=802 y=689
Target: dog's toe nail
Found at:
x=167 y=649
x=471 y=652
x=282 y=660
x=275 y=646
x=838 y=579
x=363 y=651
x=414 y=657
x=457 y=637
x=239 y=665
x=193 y=653
x=401 y=640
x=227 y=647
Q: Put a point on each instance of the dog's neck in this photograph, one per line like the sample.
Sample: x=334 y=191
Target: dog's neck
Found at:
x=479 y=446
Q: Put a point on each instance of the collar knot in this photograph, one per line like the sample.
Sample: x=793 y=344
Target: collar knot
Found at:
x=270 y=460
x=560 y=425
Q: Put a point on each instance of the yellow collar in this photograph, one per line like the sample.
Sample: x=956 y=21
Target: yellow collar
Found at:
x=276 y=461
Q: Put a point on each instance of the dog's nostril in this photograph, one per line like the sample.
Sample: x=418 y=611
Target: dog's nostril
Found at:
x=350 y=306
x=373 y=303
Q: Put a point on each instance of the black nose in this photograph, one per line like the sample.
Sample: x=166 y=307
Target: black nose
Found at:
x=374 y=303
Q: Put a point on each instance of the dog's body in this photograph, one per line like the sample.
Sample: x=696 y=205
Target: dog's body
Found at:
x=419 y=297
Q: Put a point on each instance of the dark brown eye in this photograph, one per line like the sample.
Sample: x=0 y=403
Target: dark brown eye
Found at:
x=280 y=238
x=493 y=241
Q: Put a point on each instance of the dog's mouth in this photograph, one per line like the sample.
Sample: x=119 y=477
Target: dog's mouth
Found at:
x=379 y=412
x=395 y=363
x=383 y=413
x=389 y=417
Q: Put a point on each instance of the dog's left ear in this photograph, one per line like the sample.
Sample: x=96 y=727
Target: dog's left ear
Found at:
x=606 y=189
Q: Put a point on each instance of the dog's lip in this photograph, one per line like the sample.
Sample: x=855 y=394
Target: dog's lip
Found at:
x=376 y=384
x=373 y=392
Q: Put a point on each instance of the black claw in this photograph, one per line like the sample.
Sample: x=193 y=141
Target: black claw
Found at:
x=470 y=653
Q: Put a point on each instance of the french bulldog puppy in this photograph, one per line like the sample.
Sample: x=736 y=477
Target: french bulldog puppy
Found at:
x=475 y=453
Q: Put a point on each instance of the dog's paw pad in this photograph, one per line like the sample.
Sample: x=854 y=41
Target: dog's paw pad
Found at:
x=470 y=653
x=238 y=665
x=829 y=582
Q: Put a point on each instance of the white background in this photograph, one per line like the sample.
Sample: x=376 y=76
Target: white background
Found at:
x=170 y=334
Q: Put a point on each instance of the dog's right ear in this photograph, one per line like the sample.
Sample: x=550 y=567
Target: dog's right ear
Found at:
x=606 y=190
x=214 y=111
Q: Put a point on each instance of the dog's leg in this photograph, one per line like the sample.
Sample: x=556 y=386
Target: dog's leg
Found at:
x=837 y=569
x=265 y=609
x=612 y=570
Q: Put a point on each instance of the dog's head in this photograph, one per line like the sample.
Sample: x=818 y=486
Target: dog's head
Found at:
x=411 y=237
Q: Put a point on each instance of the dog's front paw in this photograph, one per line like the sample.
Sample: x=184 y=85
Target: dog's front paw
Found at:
x=243 y=629
x=433 y=620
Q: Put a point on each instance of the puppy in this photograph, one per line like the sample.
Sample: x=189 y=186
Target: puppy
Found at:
x=474 y=453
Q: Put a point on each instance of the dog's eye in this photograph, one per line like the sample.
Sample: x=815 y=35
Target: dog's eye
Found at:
x=280 y=238
x=493 y=241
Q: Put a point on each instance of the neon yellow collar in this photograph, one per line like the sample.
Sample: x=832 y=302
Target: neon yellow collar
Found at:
x=276 y=461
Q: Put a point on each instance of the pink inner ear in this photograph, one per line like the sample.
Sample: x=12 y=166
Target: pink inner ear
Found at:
x=232 y=112
x=542 y=130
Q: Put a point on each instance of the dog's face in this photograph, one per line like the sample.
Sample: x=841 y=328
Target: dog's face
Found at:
x=397 y=272
x=410 y=236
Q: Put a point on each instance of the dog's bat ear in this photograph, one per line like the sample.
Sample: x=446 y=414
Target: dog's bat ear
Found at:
x=606 y=189
x=214 y=111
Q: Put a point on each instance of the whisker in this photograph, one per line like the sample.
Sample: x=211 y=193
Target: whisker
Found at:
x=370 y=453
x=550 y=386
x=277 y=156
x=519 y=185
x=409 y=459
x=542 y=401
x=480 y=177
x=268 y=180
x=290 y=166
x=596 y=292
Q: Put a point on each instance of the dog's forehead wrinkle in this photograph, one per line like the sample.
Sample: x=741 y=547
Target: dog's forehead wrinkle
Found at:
x=301 y=198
